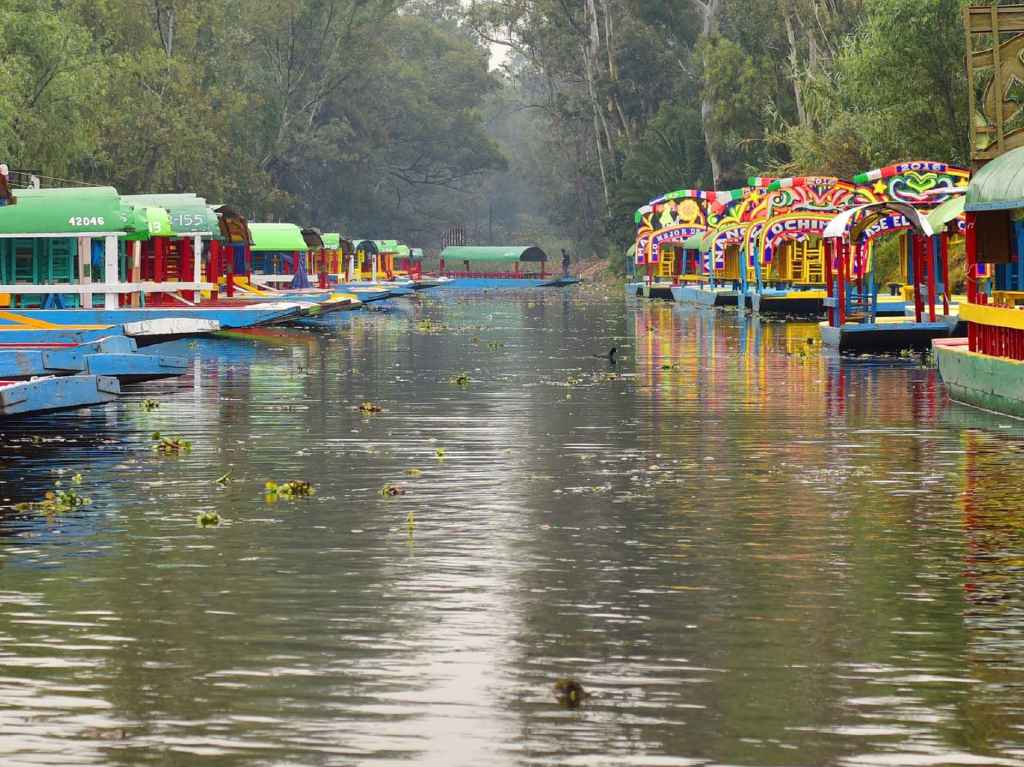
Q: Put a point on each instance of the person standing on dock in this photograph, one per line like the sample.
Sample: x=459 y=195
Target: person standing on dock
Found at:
x=565 y=262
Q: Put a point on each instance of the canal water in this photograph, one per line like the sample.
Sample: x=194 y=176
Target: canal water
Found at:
x=747 y=552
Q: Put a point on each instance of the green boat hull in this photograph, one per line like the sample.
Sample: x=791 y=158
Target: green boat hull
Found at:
x=990 y=383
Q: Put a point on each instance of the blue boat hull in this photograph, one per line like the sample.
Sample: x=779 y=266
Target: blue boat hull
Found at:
x=484 y=283
x=60 y=393
x=885 y=338
x=227 y=316
x=114 y=356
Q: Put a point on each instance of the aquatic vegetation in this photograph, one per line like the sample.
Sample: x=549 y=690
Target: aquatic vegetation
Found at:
x=56 y=501
x=149 y=405
x=439 y=453
x=392 y=491
x=462 y=379
x=288 y=491
x=569 y=692
x=170 y=445
x=426 y=325
x=907 y=354
x=76 y=479
x=370 y=408
x=495 y=345
x=207 y=519
x=413 y=473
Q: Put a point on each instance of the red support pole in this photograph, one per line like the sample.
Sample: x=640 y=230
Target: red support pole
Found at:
x=841 y=289
x=159 y=259
x=829 y=287
x=914 y=243
x=213 y=265
x=322 y=259
x=944 y=260
x=928 y=248
x=186 y=256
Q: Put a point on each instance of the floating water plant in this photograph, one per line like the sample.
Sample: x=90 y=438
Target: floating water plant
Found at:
x=413 y=473
x=439 y=453
x=56 y=501
x=370 y=408
x=462 y=379
x=207 y=519
x=569 y=692
x=76 y=479
x=392 y=491
x=427 y=325
x=288 y=491
x=170 y=445
x=149 y=405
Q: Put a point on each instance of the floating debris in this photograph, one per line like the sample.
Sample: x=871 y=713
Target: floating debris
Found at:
x=392 y=491
x=223 y=479
x=413 y=473
x=439 y=452
x=149 y=405
x=370 y=408
x=170 y=445
x=495 y=345
x=289 y=491
x=462 y=379
x=207 y=519
x=569 y=692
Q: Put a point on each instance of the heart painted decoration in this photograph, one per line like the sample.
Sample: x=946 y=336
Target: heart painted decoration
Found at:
x=921 y=182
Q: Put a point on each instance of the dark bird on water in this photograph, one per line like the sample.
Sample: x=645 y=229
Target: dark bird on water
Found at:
x=610 y=356
x=569 y=692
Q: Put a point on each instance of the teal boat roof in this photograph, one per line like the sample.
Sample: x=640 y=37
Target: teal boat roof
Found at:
x=530 y=253
x=277 y=238
x=64 y=212
x=999 y=185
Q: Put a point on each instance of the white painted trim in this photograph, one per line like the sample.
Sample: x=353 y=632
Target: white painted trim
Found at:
x=59 y=235
x=115 y=288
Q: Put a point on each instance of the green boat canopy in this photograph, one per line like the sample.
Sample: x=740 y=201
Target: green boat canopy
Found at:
x=145 y=221
x=189 y=214
x=332 y=240
x=950 y=210
x=529 y=253
x=999 y=185
x=277 y=238
x=416 y=253
x=67 y=212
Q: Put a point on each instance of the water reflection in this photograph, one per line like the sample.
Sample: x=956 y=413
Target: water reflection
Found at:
x=748 y=551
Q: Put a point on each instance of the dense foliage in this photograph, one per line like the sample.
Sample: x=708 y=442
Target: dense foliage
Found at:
x=384 y=117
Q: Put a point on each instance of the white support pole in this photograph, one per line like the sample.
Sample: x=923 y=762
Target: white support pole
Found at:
x=374 y=267
x=352 y=266
x=197 y=258
x=110 y=271
x=85 y=268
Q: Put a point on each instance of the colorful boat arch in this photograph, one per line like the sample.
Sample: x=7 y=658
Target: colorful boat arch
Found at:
x=825 y=194
x=788 y=227
x=922 y=183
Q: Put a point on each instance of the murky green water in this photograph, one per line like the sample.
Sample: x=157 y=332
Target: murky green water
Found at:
x=748 y=553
